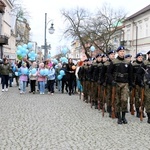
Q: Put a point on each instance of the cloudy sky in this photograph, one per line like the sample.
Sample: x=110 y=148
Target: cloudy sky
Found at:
x=37 y=10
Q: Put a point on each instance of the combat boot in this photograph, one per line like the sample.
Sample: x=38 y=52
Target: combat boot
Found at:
x=109 y=110
x=137 y=113
x=96 y=105
x=119 y=118
x=124 y=120
x=148 y=115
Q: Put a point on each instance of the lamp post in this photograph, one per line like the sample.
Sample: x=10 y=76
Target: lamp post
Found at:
x=51 y=31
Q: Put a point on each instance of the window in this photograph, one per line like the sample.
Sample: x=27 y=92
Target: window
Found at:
x=146 y=29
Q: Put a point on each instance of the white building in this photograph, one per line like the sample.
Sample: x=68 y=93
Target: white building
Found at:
x=137 y=32
x=7 y=35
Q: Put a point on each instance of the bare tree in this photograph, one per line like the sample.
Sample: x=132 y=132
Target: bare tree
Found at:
x=103 y=26
x=76 y=20
x=96 y=30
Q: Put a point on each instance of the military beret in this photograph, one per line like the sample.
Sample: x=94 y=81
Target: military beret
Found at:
x=138 y=54
x=128 y=55
x=104 y=55
x=111 y=51
x=148 y=52
x=120 y=48
x=98 y=55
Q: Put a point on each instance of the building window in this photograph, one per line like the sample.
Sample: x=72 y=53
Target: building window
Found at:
x=140 y=30
x=146 y=29
x=128 y=35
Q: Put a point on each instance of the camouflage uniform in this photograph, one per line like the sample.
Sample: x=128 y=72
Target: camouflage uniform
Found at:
x=93 y=69
x=146 y=70
x=137 y=84
x=107 y=81
x=120 y=71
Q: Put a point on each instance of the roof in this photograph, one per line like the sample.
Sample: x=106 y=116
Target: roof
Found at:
x=144 y=10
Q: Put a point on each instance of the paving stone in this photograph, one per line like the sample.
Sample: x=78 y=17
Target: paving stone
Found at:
x=63 y=122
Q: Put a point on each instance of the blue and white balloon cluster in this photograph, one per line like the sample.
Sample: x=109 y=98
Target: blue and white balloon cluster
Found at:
x=64 y=50
x=64 y=60
x=44 y=72
x=61 y=74
x=23 y=51
x=32 y=56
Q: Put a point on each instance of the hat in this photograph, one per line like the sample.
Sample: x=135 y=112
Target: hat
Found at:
x=128 y=55
x=148 y=52
x=120 y=48
x=104 y=55
x=98 y=55
x=111 y=51
x=138 y=54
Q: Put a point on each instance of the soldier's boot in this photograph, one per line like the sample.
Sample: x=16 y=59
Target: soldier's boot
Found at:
x=124 y=120
x=119 y=118
x=92 y=103
x=109 y=110
x=137 y=113
x=96 y=105
x=143 y=114
x=148 y=115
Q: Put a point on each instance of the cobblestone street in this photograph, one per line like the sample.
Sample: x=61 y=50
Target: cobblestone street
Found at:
x=63 y=122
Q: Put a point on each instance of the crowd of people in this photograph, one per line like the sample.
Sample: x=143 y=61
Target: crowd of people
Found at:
x=40 y=76
x=107 y=81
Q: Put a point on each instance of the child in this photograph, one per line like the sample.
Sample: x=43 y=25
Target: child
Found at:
x=23 y=73
x=51 y=79
x=33 y=77
x=41 y=78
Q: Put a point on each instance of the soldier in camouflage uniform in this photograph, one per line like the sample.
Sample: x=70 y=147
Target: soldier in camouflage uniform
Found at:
x=120 y=71
x=145 y=69
x=84 y=80
x=106 y=80
x=88 y=77
x=137 y=84
x=94 y=80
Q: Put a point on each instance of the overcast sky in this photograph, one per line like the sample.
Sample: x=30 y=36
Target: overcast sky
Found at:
x=37 y=10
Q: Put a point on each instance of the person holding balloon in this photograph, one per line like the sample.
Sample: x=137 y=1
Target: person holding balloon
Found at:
x=33 y=76
x=51 y=79
x=23 y=73
x=41 y=78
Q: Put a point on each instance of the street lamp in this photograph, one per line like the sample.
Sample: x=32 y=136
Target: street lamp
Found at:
x=51 y=31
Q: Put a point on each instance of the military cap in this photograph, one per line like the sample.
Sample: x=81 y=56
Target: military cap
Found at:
x=111 y=51
x=104 y=55
x=138 y=54
x=98 y=55
x=128 y=55
x=120 y=48
x=148 y=52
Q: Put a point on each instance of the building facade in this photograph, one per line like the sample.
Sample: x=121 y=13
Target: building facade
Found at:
x=137 y=32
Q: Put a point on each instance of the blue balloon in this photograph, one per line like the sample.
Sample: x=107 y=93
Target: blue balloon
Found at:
x=24 y=71
x=24 y=46
x=33 y=71
x=92 y=48
x=59 y=77
x=46 y=71
x=62 y=72
x=42 y=72
x=29 y=46
x=64 y=50
x=18 y=52
x=19 y=47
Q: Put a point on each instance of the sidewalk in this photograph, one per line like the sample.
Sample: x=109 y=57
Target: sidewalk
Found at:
x=63 y=122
